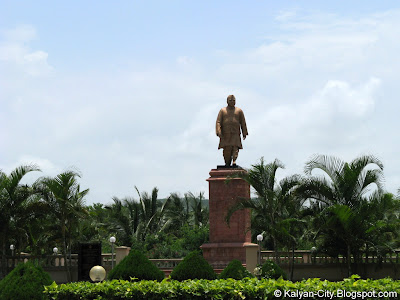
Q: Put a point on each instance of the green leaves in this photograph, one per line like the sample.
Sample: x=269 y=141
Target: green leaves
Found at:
x=247 y=288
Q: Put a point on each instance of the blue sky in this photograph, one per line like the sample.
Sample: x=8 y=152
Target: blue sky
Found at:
x=128 y=92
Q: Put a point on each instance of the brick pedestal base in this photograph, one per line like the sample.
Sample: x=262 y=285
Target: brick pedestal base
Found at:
x=233 y=241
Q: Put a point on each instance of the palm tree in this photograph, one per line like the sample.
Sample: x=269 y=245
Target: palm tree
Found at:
x=63 y=196
x=177 y=213
x=269 y=208
x=381 y=223
x=124 y=218
x=199 y=211
x=16 y=205
x=341 y=195
x=152 y=213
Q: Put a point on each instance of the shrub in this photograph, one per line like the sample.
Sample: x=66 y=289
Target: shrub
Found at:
x=271 y=270
x=193 y=266
x=136 y=265
x=235 y=270
x=26 y=281
x=247 y=288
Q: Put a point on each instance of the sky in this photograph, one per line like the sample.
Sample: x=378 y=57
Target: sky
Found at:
x=127 y=92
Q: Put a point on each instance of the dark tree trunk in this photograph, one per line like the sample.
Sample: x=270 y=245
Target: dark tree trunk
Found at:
x=66 y=263
x=348 y=260
x=291 y=267
x=3 y=269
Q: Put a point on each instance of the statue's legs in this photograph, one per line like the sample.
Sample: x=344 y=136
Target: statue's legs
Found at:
x=230 y=152
x=227 y=155
x=235 y=153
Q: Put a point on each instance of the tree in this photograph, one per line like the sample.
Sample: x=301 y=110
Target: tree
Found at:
x=16 y=206
x=199 y=211
x=341 y=198
x=177 y=213
x=152 y=213
x=124 y=219
x=269 y=209
x=63 y=196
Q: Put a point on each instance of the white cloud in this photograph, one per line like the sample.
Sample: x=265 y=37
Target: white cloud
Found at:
x=22 y=33
x=317 y=87
x=14 y=52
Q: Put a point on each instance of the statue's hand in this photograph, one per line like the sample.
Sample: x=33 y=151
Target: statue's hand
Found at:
x=244 y=137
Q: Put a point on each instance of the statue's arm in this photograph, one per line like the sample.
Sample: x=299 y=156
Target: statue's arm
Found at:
x=243 y=125
x=218 y=125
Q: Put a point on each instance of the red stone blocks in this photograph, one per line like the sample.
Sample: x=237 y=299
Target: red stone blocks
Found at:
x=227 y=242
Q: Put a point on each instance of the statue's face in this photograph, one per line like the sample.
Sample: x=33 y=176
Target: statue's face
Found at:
x=231 y=102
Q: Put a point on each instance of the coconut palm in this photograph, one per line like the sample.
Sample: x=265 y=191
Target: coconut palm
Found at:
x=269 y=208
x=152 y=213
x=63 y=196
x=341 y=196
x=199 y=211
x=16 y=206
x=124 y=218
x=177 y=213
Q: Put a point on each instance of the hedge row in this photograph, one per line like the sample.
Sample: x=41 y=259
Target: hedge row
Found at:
x=248 y=288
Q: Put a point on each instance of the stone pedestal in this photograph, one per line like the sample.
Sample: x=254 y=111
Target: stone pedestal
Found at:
x=120 y=253
x=233 y=241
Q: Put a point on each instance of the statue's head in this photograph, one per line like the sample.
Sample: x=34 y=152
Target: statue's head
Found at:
x=231 y=100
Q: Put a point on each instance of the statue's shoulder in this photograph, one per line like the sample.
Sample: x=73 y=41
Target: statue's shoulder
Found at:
x=238 y=109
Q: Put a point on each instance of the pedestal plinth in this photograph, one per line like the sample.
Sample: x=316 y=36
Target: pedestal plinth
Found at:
x=233 y=241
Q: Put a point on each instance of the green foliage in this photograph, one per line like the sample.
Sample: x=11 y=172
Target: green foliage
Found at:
x=247 y=288
x=136 y=265
x=25 y=282
x=271 y=270
x=235 y=270
x=193 y=266
x=194 y=237
x=163 y=245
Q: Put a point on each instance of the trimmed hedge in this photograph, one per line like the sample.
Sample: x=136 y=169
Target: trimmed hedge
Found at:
x=25 y=282
x=271 y=270
x=136 y=265
x=193 y=266
x=248 y=288
x=235 y=270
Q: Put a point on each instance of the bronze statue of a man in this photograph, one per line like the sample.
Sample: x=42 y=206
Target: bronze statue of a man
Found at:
x=230 y=121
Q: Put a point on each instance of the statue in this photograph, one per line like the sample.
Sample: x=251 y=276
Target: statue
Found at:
x=230 y=121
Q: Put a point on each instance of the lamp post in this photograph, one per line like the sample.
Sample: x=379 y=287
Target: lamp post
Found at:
x=259 y=240
x=55 y=251
x=12 y=247
x=112 y=241
x=313 y=254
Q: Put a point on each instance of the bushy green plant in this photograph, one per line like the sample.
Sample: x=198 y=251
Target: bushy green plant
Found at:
x=271 y=270
x=194 y=237
x=235 y=270
x=164 y=245
x=247 y=288
x=26 y=281
x=193 y=266
x=136 y=265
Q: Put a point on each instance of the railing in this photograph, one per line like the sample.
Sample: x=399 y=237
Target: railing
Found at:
x=44 y=261
x=300 y=257
x=308 y=257
x=59 y=261
x=166 y=264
